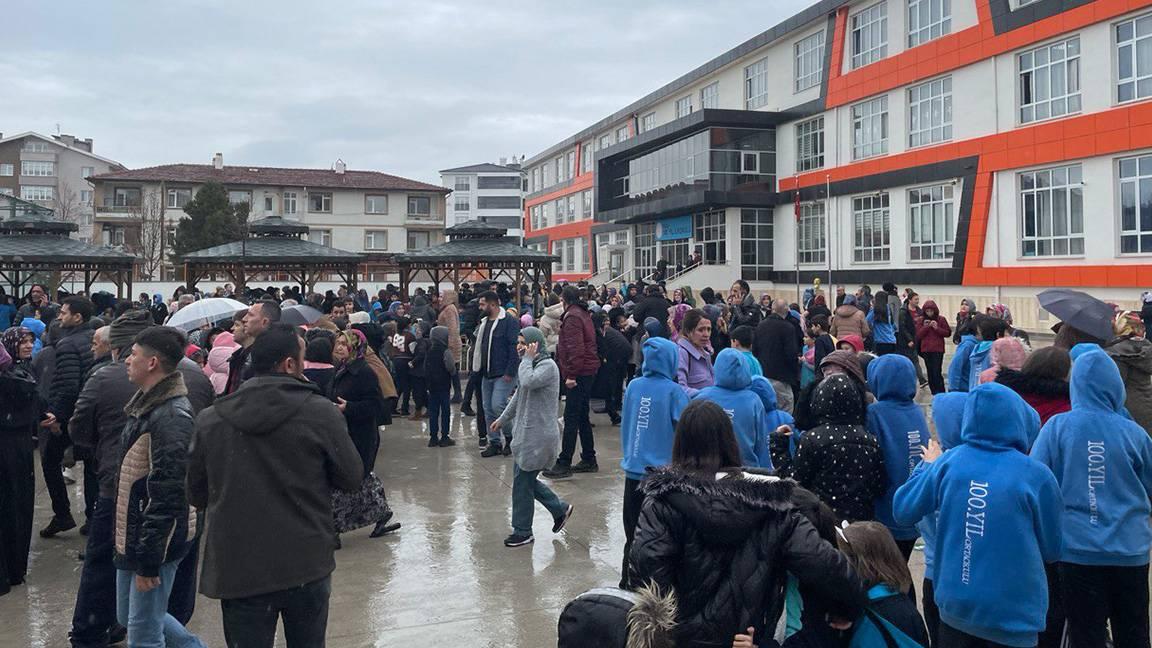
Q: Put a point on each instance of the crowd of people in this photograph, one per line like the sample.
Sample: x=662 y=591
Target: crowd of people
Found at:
x=779 y=469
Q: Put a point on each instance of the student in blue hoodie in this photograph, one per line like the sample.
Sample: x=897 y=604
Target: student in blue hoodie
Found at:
x=998 y=523
x=733 y=393
x=652 y=406
x=947 y=414
x=990 y=329
x=960 y=369
x=1103 y=463
x=898 y=423
x=884 y=318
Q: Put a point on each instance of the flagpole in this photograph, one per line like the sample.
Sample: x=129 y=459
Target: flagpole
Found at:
x=828 y=224
x=796 y=209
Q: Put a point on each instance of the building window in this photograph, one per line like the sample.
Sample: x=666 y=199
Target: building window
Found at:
x=586 y=157
x=7 y=169
x=810 y=144
x=756 y=247
x=37 y=192
x=36 y=146
x=683 y=106
x=461 y=205
x=928 y=19
x=547 y=214
x=463 y=183
x=870 y=128
x=571 y=208
x=418 y=240
x=376 y=204
x=621 y=134
x=177 y=198
x=644 y=250
x=1134 y=58
x=320 y=202
x=605 y=142
x=711 y=237
x=238 y=197
x=930 y=112
x=321 y=236
x=87 y=172
x=419 y=206
x=126 y=197
x=1050 y=81
x=1052 y=208
x=870 y=35
x=571 y=253
x=6 y=191
x=39 y=169
x=586 y=213
x=932 y=227
x=289 y=202
x=375 y=239
x=871 y=226
x=268 y=204
x=571 y=164
x=86 y=197
x=710 y=95
x=810 y=243
x=534 y=213
x=1136 y=205
x=809 y=61
x=113 y=236
x=648 y=122
x=756 y=84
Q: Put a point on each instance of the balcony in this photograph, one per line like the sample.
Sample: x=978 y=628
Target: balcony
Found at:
x=117 y=206
x=424 y=220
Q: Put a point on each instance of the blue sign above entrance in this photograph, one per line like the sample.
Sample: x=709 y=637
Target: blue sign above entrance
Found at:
x=674 y=229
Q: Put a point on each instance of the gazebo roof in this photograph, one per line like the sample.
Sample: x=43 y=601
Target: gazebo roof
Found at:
x=475 y=229
x=270 y=249
x=277 y=226
x=57 y=250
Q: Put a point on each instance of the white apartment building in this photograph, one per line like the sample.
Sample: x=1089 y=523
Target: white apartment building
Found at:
x=490 y=193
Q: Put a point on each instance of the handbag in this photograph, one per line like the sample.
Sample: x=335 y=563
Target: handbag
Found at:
x=360 y=508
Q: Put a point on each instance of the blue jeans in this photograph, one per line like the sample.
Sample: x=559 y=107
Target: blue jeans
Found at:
x=439 y=413
x=526 y=491
x=497 y=392
x=145 y=614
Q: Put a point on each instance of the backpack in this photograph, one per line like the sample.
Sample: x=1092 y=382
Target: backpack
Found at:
x=874 y=631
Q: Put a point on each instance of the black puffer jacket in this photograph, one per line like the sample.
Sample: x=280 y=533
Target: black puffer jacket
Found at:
x=839 y=460
x=724 y=547
x=20 y=404
x=356 y=383
x=73 y=360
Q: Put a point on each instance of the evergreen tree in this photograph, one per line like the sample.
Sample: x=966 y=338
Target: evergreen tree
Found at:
x=211 y=220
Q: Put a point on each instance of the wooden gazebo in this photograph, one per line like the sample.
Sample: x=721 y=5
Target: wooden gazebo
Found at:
x=475 y=248
x=274 y=244
x=33 y=242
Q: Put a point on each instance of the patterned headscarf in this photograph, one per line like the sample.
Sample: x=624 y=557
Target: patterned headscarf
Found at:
x=1128 y=324
x=356 y=342
x=11 y=340
x=1000 y=311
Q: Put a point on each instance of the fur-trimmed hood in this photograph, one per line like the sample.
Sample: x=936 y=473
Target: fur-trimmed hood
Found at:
x=652 y=619
x=1023 y=383
x=143 y=402
x=729 y=508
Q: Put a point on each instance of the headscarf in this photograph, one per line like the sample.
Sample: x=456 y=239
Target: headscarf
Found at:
x=357 y=344
x=849 y=300
x=123 y=329
x=1128 y=324
x=532 y=334
x=1007 y=353
x=1146 y=297
x=1000 y=311
x=652 y=327
x=677 y=313
x=526 y=320
x=11 y=340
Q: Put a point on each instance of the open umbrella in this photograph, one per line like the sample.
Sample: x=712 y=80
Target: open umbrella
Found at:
x=1079 y=310
x=300 y=315
x=205 y=311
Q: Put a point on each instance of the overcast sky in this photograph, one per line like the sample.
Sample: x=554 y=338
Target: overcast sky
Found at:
x=402 y=86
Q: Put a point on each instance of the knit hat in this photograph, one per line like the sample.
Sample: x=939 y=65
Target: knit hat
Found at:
x=123 y=329
x=359 y=317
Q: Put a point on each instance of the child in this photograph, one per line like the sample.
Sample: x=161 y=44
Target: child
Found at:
x=821 y=341
x=877 y=560
x=960 y=369
x=416 y=378
x=652 y=406
x=990 y=329
x=899 y=425
x=742 y=341
x=439 y=369
x=1103 y=463
x=850 y=342
x=998 y=523
x=733 y=393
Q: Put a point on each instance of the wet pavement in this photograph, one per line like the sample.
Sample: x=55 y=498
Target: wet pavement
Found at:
x=444 y=579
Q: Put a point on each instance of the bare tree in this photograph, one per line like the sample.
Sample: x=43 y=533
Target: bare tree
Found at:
x=150 y=246
x=67 y=204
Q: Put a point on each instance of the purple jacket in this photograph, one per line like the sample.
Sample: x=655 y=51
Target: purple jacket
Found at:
x=694 y=369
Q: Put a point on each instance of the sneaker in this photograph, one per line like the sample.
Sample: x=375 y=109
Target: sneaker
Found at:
x=507 y=449
x=433 y=443
x=516 y=540
x=558 y=472
x=57 y=525
x=467 y=410
x=586 y=467
x=483 y=441
x=447 y=442
x=615 y=420
x=456 y=400
x=117 y=635
x=492 y=451
x=562 y=520
x=68 y=478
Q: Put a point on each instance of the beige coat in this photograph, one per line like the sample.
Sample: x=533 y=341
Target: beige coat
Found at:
x=449 y=318
x=849 y=320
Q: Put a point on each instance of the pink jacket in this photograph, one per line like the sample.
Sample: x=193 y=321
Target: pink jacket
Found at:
x=217 y=368
x=1006 y=352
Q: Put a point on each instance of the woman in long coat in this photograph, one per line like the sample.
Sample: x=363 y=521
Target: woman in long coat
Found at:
x=449 y=318
x=20 y=409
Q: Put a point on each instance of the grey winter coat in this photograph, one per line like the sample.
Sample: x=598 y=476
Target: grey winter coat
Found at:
x=532 y=412
x=1133 y=357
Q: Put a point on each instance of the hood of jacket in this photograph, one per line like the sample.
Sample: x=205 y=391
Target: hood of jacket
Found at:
x=1136 y=352
x=846 y=309
x=660 y=358
x=948 y=415
x=264 y=403
x=1023 y=383
x=997 y=418
x=837 y=400
x=856 y=341
x=439 y=334
x=32 y=324
x=892 y=378
x=1096 y=383
x=727 y=509
x=930 y=306
x=218 y=358
x=731 y=370
x=1008 y=352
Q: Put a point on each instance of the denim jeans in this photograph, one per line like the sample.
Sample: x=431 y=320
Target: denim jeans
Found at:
x=576 y=422
x=145 y=614
x=251 y=622
x=439 y=414
x=496 y=393
x=95 y=611
x=526 y=491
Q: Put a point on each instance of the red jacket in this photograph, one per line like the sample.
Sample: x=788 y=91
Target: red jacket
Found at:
x=932 y=338
x=576 y=348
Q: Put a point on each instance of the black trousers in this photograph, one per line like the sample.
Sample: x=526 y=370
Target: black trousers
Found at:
x=17 y=505
x=182 y=598
x=614 y=395
x=931 y=613
x=419 y=388
x=95 y=611
x=251 y=622
x=952 y=638
x=1096 y=597
x=403 y=387
x=633 y=500
x=884 y=348
x=1053 y=634
x=52 y=447
x=474 y=392
x=576 y=422
x=934 y=366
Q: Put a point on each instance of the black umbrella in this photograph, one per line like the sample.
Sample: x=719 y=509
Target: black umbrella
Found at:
x=300 y=315
x=1079 y=310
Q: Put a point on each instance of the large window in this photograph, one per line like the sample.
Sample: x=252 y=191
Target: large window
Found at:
x=756 y=84
x=586 y=157
x=928 y=19
x=321 y=236
x=535 y=185
x=177 y=198
x=572 y=255
x=1136 y=205
x=376 y=204
x=463 y=183
x=869 y=35
x=1050 y=81
x=930 y=112
x=711 y=237
x=605 y=142
x=39 y=169
x=126 y=197
x=710 y=95
x=1052 y=209
x=498 y=202
x=7 y=169
x=87 y=172
x=37 y=192
x=809 y=61
x=320 y=202
x=1134 y=58
x=756 y=253
x=648 y=122
x=548 y=214
x=375 y=239
x=240 y=197
x=931 y=224
x=621 y=134
x=418 y=239
x=419 y=206
x=870 y=128
x=498 y=182
x=570 y=166
x=683 y=106
x=586 y=212
x=35 y=146
x=810 y=144
x=870 y=223
x=289 y=202
x=644 y=248
x=810 y=243
x=534 y=214
x=461 y=205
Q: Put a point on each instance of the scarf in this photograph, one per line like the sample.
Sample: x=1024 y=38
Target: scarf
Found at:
x=11 y=340
x=532 y=334
x=357 y=344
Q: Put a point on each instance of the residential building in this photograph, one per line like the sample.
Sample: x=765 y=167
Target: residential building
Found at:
x=359 y=211
x=53 y=172
x=968 y=148
x=490 y=193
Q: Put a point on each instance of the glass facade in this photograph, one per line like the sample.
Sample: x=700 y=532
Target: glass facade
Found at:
x=756 y=244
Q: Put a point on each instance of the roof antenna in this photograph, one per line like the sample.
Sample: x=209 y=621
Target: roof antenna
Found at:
x=57 y=128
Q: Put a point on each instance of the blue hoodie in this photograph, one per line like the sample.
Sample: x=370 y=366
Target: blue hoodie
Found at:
x=884 y=332
x=899 y=425
x=947 y=414
x=733 y=393
x=37 y=327
x=652 y=406
x=978 y=361
x=1103 y=462
x=753 y=364
x=960 y=369
x=999 y=521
